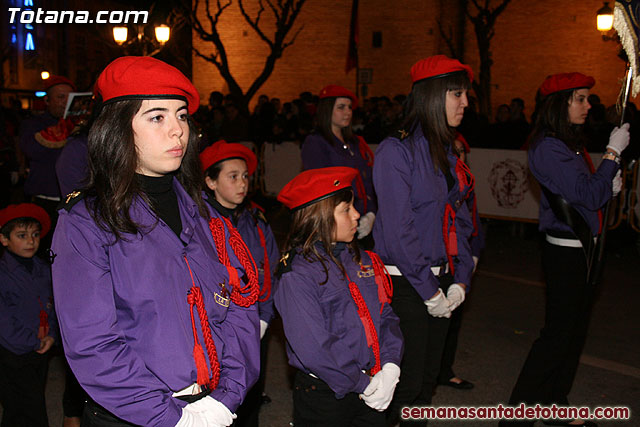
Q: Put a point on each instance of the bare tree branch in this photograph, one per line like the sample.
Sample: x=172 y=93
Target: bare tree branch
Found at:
x=448 y=38
x=253 y=23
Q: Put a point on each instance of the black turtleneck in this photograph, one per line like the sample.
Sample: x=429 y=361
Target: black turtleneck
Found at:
x=163 y=199
x=226 y=212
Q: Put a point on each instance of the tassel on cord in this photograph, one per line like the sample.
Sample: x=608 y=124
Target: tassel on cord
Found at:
x=449 y=235
x=43 y=325
x=367 y=322
x=383 y=280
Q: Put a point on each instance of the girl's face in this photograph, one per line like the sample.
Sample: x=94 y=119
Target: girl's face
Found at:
x=579 y=106
x=161 y=135
x=455 y=103
x=341 y=115
x=232 y=184
x=346 y=218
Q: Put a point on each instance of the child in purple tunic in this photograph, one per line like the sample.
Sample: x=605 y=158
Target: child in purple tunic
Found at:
x=342 y=335
x=29 y=326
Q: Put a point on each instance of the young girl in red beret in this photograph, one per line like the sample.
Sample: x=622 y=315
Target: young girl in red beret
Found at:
x=158 y=324
x=342 y=335
x=227 y=168
x=559 y=162
x=334 y=144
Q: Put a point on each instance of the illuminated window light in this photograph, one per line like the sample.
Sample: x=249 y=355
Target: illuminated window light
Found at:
x=40 y=93
x=14 y=38
x=28 y=3
x=28 y=26
x=29 y=44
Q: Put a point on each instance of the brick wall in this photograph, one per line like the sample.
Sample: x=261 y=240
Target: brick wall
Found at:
x=532 y=39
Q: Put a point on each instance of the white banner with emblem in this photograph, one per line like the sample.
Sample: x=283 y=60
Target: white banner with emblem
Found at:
x=504 y=186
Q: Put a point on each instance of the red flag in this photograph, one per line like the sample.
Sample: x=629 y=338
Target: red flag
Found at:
x=352 y=53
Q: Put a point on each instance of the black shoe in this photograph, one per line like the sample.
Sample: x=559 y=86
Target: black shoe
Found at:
x=462 y=385
x=585 y=423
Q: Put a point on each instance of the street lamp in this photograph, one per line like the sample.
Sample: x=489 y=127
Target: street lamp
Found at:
x=44 y=75
x=604 y=21
x=162 y=33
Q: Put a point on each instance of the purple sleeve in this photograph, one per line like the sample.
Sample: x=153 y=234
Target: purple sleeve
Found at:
x=240 y=362
x=403 y=244
x=464 y=262
x=315 y=153
x=321 y=352
x=15 y=336
x=391 y=340
x=554 y=166
x=94 y=344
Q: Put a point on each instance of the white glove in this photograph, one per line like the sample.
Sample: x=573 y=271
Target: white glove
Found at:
x=475 y=263
x=619 y=138
x=263 y=328
x=438 y=305
x=206 y=412
x=455 y=295
x=366 y=224
x=374 y=383
x=381 y=398
x=617 y=184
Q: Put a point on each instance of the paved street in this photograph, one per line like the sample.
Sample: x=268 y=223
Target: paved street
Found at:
x=503 y=316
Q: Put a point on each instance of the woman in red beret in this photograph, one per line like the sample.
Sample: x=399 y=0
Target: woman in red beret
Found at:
x=334 y=144
x=342 y=335
x=156 y=324
x=227 y=168
x=570 y=216
x=423 y=224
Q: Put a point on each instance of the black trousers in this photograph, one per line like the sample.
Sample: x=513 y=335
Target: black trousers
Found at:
x=424 y=339
x=315 y=405
x=22 y=384
x=451 y=346
x=550 y=367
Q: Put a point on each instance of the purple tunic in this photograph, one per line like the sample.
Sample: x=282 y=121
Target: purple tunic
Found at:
x=21 y=295
x=325 y=335
x=477 y=241
x=318 y=153
x=72 y=165
x=125 y=319
x=42 y=160
x=566 y=173
x=412 y=195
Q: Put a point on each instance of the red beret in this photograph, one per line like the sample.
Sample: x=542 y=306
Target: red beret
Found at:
x=26 y=210
x=314 y=185
x=57 y=80
x=143 y=77
x=334 y=91
x=222 y=150
x=438 y=66
x=565 y=81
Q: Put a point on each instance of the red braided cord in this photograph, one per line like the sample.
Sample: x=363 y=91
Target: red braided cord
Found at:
x=592 y=169
x=465 y=177
x=244 y=256
x=383 y=280
x=365 y=151
x=195 y=298
x=367 y=322
x=43 y=326
x=266 y=289
x=448 y=213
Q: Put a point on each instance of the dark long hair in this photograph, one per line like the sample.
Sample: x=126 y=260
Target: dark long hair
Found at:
x=552 y=119
x=425 y=106
x=316 y=224
x=112 y=164
x=324 y=113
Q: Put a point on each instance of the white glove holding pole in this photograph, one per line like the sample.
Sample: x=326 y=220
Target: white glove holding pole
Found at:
x=455 y=295
x=438 y=305
x=206 y=412
x=617 y=183
x=366 y=224
x=475 y=263
x=263 y=328
x=380 y=399
x=619 y=139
